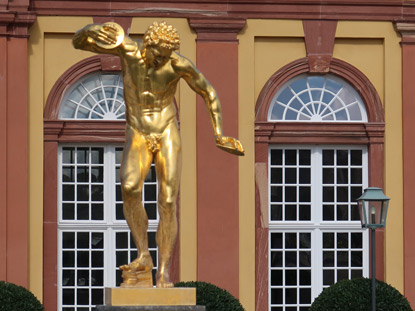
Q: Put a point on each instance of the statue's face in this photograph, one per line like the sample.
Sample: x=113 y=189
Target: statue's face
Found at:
x=157 y=56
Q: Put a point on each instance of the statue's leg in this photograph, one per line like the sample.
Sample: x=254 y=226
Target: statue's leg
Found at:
x=135 y=165
x=168 y=166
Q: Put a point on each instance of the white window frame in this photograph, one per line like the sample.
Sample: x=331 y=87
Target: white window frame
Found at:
x=317 y=226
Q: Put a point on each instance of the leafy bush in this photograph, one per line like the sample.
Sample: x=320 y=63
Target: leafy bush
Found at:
x=356 y=295
x=213 y=297
x=17 y=298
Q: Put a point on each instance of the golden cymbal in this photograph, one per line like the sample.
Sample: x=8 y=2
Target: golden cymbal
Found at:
x=119 y=31
x=231 y=149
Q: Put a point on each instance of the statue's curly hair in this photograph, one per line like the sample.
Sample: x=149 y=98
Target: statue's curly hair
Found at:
x=163 y=35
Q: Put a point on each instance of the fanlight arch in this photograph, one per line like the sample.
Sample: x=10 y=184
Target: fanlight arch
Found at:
x=323 y=98
x=339 y=69
x=97 y=96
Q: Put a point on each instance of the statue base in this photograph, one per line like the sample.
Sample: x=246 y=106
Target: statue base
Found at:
x=151 y=308
x=150 y=297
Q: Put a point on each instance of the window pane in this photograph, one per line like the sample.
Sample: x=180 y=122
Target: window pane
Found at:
x=276 y=277
x=305 y=177
x=276 y=157
x=305 y=157
x=342 y=157
x=276 y=240
x=305 y=213
x=68 y=211
x=276 y=212
x=276 y=175
x=328 y=157
x=290 y=157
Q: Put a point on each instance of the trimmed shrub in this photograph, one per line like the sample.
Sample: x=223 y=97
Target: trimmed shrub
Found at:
x=213 y=297
x=356 y=295
x=17 y=298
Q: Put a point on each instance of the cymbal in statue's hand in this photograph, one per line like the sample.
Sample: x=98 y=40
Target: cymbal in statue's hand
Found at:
x=107 y=36
x=230 y=144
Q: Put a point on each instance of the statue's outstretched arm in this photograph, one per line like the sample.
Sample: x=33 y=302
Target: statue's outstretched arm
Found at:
x=197 y=81
x=105 y=38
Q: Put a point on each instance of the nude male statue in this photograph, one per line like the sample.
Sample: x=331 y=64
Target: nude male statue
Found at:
x=151 y=72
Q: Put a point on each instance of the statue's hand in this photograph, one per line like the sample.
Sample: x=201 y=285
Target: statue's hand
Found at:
x=103 y=35
x=230 y=144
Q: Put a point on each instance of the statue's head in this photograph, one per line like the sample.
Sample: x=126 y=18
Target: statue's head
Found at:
x=162 y=35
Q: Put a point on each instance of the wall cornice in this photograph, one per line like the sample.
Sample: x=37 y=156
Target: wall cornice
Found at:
x=16 y=23
x=217 y=29
x=294 y=9
x=407 y=30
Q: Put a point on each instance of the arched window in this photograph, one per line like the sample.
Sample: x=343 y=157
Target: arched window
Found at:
x=86 y=235
x=315 y=140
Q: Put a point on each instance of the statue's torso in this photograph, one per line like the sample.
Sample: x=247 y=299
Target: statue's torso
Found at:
x=148 y=94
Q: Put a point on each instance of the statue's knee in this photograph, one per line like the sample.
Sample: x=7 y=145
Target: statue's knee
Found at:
x=167 y=207
x=129 y=190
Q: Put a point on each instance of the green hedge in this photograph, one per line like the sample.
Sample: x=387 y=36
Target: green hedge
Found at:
x=356 y=295
x=213 y=297
x=17 y=298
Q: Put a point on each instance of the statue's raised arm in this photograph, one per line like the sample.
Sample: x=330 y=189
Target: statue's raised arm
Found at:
x=108 y=38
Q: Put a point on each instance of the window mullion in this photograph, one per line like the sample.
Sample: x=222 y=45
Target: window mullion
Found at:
x=109 y=181
x=316 y=263
x=59 y=178
x=316 y=184
x=108 y=207
x=109 y=260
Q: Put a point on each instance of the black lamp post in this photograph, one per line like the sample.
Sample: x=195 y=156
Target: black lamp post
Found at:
x=373 y=208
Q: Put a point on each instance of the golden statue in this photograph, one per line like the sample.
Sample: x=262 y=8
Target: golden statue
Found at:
x=151 y=72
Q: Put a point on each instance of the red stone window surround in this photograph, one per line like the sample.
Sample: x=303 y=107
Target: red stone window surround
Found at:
x=369 y=133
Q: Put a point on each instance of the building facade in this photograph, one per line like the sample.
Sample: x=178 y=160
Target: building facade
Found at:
x=320 y=95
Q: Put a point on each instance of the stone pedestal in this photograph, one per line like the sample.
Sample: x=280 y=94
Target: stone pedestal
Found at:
x=150 y=299
x=151 y=308
x=150 y=296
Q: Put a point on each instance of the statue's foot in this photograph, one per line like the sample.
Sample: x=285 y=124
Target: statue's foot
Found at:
x=163 y=280
x=142 y=264
x=138 y=273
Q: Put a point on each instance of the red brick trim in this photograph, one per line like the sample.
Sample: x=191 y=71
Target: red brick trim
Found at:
x=50 y=223
x=217 y=29
x=319 y=43
x=296 y=9
x=3 y=159
x=407 y=31
x=318 y=133
x=16 y=24
x=218 y=214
